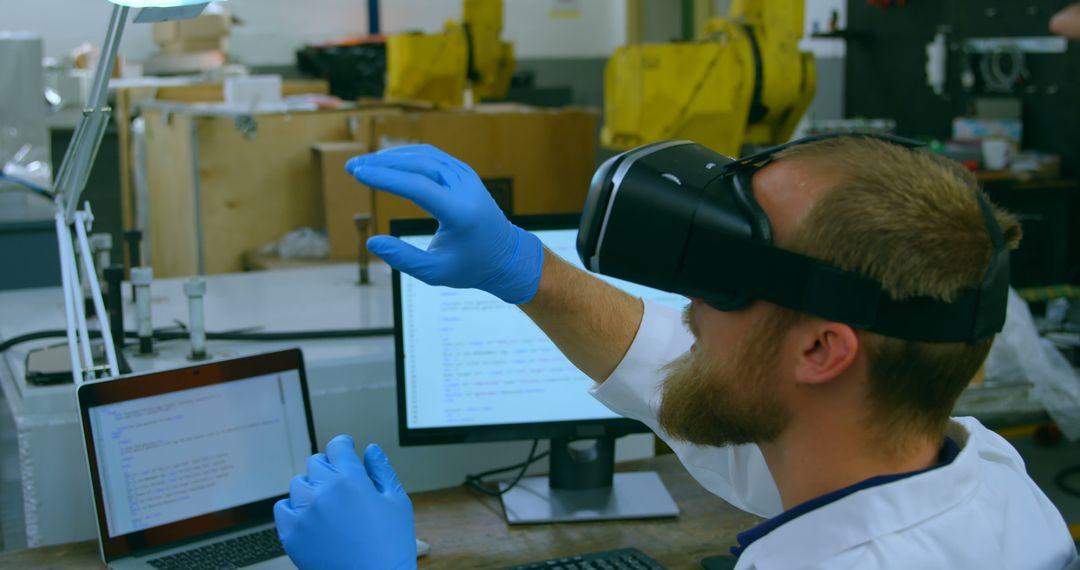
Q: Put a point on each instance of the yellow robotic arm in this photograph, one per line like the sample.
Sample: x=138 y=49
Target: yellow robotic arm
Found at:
x=440 y=67
x=745 y=82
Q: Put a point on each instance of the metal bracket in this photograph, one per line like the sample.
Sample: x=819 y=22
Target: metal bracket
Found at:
x=247 y=125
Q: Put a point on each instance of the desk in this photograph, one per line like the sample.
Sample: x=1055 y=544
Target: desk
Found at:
x=467 y=530
x=351 y=383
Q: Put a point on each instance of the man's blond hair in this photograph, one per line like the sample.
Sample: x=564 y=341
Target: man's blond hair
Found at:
x=909 y=219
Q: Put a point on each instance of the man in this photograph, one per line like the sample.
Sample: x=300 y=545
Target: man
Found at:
x=1067 y=22
x=839 y=435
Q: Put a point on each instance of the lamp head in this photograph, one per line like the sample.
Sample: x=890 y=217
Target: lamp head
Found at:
x=151 y=11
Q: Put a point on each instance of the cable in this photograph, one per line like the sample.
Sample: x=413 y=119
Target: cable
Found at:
x=477 y=481
x=26 y=184
x=1063 y=476
x=251 y=336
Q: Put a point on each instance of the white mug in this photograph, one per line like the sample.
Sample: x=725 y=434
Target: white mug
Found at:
x=997 y=153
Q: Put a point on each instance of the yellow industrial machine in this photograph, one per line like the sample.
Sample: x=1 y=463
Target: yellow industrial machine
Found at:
x=440 y=68
x=744 y=82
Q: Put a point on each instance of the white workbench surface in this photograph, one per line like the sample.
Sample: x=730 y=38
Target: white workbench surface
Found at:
x=351 y=381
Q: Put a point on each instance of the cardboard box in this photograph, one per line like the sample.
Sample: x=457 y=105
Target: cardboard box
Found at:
x=342 y=195
x=205 y=27
x=195 y=46
x=253 y=91
x=533 y=161
x=217 y=192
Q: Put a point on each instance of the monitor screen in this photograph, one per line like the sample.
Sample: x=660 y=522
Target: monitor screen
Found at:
x=183 y=452
x=468 y=360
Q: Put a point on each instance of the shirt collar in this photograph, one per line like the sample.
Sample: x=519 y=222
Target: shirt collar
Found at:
x=949 y=451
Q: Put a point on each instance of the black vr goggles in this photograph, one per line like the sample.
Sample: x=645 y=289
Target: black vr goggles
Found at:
x=679 y=217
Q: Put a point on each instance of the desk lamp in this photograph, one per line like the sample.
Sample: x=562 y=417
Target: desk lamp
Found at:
x=72 y=223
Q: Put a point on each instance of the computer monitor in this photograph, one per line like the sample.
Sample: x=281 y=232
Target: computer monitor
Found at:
x=471 y=368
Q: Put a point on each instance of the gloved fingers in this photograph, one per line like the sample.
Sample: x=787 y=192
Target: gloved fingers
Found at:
x=403 y=257
x=444 y=171
x=284 y=519
x=417 y=188
x=414 y=150
x=319 y=469
x=301 y=492
x=439 y=154
x=382 y=474
x=342 y=454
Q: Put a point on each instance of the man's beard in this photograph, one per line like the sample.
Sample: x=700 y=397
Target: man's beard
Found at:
x=731 y=401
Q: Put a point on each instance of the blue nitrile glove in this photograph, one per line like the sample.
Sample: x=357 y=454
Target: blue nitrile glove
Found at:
x=476 y=247
x=347 y=514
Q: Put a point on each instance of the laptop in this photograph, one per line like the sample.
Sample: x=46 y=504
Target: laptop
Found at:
x=186 y=464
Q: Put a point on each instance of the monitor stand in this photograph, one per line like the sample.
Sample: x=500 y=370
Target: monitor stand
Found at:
x=583 y=486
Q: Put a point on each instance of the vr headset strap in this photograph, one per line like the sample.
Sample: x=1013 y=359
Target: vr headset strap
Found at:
x=812 y=286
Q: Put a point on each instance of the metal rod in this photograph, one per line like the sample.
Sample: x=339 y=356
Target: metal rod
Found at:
x=114 y=280
x=195 y=289
x=99 y=95
x=374 y=24
x=63 y=234
x=68 y=258
x=134 y=243
x=95 y=292
x=688 y=20
x=75 y=168
x=196 y=194
x=141 y=277
x=101 y=244
x=99 y=122
x=363 y=224
x=84 y=281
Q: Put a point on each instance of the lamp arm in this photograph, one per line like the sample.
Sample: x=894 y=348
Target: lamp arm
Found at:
x=75 y=168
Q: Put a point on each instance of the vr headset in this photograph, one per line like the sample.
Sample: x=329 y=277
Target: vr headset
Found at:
x=679 y=217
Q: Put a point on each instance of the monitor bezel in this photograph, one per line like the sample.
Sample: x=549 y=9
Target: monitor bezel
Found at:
x=407 y=437
x=140 y=385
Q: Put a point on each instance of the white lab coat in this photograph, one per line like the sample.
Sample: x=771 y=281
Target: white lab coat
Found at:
x=982 y=511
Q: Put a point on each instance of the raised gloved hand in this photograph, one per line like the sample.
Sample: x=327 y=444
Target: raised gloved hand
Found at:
x=347 y=514
x=476 y=247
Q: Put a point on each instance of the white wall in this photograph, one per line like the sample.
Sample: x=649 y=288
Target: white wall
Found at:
x=596 y=31
x=274 y=29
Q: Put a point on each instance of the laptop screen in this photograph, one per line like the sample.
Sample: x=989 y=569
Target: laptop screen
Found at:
x=182 y=453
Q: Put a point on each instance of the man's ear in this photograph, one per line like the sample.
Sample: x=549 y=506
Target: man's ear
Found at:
x=826 y=350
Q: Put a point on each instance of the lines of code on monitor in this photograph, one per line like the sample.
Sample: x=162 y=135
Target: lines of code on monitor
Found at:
x=471 y=359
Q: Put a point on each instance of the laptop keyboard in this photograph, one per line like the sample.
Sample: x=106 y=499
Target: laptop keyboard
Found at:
x=232 y=553
x=622 y=559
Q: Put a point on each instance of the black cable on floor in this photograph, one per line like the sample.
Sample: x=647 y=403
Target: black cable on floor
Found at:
x=477 y=481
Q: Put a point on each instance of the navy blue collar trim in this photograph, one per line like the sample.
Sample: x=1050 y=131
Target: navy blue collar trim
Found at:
x=949 y=451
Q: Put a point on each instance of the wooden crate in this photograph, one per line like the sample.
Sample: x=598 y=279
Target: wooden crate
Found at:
x=217 y=192
x=127 y=100
x=533 y=161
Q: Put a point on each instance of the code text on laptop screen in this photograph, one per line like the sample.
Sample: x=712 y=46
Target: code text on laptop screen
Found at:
x=175 y=456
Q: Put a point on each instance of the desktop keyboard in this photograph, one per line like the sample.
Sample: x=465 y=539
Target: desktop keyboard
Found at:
x=622 y=559
x=232 y=553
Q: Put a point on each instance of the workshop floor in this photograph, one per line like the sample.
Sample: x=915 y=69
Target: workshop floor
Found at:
x=1043 y=463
